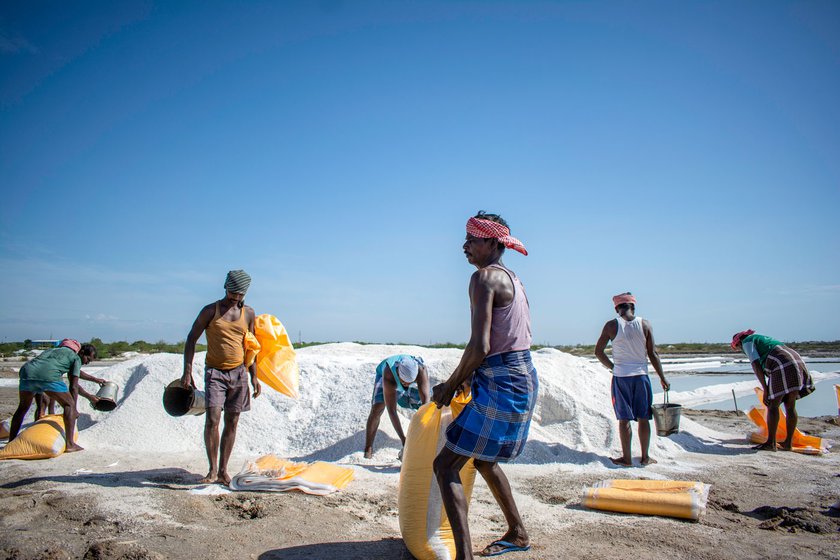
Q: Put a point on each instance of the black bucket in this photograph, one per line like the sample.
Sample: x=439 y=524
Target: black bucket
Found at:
x=178 y=401
x=666 y=417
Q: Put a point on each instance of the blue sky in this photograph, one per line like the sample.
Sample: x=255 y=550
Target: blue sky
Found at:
x=688 y=152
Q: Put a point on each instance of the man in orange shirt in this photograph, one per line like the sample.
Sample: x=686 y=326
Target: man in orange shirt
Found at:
x=225 y=376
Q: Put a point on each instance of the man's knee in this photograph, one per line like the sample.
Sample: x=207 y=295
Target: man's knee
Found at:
x=231 y=419
x=483 y=467
x=213 y=417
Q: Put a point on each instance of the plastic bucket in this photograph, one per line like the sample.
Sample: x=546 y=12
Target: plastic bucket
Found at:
x=107 y=395
x=178 y=401
x=666 y=417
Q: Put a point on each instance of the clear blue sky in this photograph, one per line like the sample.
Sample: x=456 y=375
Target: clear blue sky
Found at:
x=686 y=151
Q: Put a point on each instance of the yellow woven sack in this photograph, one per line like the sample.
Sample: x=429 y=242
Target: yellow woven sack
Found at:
x=4 y=428
x=42 y=440
x=276 y=363
x=423 y=522
x=671 y=498
x=270 y=473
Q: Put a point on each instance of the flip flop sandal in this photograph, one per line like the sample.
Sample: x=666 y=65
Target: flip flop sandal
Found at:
x=506 y=547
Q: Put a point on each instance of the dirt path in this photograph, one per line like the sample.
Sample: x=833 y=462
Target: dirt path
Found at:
x=762 y=505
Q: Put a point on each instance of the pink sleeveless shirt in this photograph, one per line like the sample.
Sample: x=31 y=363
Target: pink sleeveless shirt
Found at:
x=510 y=329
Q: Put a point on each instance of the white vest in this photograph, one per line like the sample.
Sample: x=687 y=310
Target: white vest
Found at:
x=629 y=349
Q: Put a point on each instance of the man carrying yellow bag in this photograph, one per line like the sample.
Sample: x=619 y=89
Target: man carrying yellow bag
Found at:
x=493 y=427
x=225 y=323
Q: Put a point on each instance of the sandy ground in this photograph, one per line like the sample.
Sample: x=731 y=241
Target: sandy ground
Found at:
x=106 y=505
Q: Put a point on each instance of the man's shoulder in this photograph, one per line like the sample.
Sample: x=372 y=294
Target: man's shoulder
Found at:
x=612 y=324
x=491 y=275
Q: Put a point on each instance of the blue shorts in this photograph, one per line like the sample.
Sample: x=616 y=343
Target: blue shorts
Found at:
x=35 y=386
x=632 y=397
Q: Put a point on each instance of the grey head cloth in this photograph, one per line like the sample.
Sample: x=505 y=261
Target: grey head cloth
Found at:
x=237 y=281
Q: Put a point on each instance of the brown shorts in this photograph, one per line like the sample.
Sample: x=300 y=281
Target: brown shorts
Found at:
x=227 y=389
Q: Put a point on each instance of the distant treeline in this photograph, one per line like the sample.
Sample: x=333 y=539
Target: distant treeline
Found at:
x=113 y=349
x=108 y=349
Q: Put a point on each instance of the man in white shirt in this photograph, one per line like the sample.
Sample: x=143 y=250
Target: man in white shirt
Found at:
x=632 y=395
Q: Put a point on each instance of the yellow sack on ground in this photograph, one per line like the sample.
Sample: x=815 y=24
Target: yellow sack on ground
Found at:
x=801 y=443
x=273 y=474
x=4 y=428
x=423 y=522
x=670 y=498
x=276 y=363
x=42 y=440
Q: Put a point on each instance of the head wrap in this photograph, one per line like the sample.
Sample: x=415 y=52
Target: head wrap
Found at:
x=488 y=229
x=407 y=369
x=237 y=281
x=738 y=337
x=71 y=344
x=626 y=297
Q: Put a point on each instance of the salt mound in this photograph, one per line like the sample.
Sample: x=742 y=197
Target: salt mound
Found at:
x=573 y=422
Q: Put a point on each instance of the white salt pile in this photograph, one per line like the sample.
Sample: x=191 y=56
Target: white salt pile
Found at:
x=573 y=422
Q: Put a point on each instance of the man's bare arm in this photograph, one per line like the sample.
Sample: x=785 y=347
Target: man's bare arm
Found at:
x=607 y=334
x=423 y=384
x=653 y=355
x=199 y=326
x=389 y=392
x=88 y=377
x=252 y=369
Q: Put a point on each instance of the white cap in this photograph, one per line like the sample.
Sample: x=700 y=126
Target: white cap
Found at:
x=407 y=369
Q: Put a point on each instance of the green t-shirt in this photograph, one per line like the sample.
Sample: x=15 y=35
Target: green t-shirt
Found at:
x=52 y=365
x=757 y=346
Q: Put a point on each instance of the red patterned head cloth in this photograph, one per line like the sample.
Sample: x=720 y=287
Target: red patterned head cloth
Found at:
x=738 y=337
x=488 y=229
x=626 y=297
x=71 y=344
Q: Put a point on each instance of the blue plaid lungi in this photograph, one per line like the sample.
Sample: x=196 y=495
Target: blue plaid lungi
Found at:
x=494 y=425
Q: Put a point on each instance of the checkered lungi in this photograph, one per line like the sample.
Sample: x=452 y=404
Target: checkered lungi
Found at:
x=786 y=373
x=494 y=425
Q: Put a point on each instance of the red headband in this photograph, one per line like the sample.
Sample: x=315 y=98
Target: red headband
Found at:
x=71 y=344
x=488 y=229
x=740 y=336
x=624 y=298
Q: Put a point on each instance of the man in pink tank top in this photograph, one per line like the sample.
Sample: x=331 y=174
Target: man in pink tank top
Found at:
x=497 y=365
x=225 y=375
x=632 y=395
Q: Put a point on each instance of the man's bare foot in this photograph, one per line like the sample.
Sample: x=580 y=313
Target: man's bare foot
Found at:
x=210 y=478
x=368 y=453
x=648 y=461
x=785 y=446
x=73 y=448
x=223 y=478
x=765 y=447
x=621 y=462
x=512 y=541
